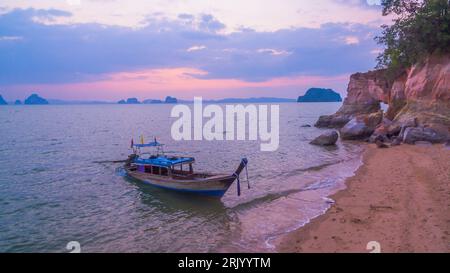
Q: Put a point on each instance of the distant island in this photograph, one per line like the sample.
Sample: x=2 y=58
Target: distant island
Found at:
x=151 y=101
x=34 y=99
x=251 y=100
x=320 y=95
x=2 y=101
x=168 y=99
x=129 y=101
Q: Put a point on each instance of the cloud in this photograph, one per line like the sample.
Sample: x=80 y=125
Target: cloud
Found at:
x=70 y=53
x=351 y=40
x=196 y=48
x=10 y=38
x=273 y=52
x=211 y=24
x=182 y=82
x=230 y=15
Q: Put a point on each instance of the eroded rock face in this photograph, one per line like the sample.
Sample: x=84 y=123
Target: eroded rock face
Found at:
x=427 y=92
x=421 y=94
x=364 y=93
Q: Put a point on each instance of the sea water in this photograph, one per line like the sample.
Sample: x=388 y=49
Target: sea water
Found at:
x=58 y=183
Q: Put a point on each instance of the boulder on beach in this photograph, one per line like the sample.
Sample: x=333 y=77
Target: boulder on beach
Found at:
x=326 y=139
x=414 y=134
x=35 y=99
x=320 y=95
x=380 y=144
x=2 y=101
x=396 y=141
x=361 y=127
x=332 y=121
x=356 y=129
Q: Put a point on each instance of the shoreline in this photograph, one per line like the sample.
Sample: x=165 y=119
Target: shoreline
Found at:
x=399 y=197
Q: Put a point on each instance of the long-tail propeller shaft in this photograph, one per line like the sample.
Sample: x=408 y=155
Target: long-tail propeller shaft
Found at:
x=244 y=163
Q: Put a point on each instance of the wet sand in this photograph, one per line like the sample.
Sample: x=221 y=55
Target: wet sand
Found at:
x=399 y=197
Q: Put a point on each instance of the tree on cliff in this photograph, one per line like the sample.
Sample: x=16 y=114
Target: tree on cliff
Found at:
x=420 y=28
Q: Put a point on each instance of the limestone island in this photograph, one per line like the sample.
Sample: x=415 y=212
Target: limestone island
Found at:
x=2 y=101
x=320 y=95
x=34 y=99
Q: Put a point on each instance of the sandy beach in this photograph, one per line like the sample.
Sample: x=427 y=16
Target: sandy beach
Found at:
x=399 y=197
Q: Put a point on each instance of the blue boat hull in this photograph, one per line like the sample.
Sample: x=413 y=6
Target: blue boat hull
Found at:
x=215 y=186
x=213 y=193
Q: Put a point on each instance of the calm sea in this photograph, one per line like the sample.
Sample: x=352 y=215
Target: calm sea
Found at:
x=57 y=186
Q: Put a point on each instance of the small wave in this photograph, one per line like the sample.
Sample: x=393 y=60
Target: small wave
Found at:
x=120 y=171
x=319 y=167
x=327 y=183
x=328 y=201
x=265 y=199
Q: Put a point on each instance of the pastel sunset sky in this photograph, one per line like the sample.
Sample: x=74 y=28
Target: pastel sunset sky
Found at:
x=149 y=49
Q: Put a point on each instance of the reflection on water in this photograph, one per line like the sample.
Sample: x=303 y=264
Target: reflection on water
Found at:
x=59 y=182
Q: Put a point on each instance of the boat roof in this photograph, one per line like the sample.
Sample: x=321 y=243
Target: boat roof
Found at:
x=150 y=144
x=164 y=161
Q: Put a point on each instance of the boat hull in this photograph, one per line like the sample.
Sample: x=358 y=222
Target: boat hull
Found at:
x=215 y=186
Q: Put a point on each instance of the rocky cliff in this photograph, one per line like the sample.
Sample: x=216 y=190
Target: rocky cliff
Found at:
x=420 y=97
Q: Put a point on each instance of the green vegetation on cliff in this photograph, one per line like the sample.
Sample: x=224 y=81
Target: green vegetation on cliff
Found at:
x=420 y=28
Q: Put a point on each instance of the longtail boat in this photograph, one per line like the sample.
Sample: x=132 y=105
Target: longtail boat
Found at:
x=177 y=173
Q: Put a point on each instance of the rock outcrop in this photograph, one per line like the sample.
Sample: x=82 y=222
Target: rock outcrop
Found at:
x=17 y=102
x=417 y=134
x=2 y=101
x=364 y=93
x=320 y=95
x=420 y=97
x=361 y=127
x=326 y=139
x=34 y=99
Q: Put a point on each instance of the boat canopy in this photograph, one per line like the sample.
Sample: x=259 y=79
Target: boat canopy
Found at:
x=150 y=144
x=164 y=161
